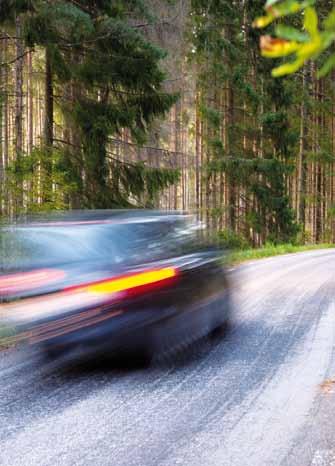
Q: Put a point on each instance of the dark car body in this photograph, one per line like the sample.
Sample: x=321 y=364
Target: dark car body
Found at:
x=142 y=282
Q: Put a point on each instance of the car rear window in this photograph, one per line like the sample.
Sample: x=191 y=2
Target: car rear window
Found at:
x=115 y=243
x=145 y=241
x=37 y=247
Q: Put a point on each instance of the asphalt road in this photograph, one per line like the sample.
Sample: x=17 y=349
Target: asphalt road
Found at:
x=263 y=395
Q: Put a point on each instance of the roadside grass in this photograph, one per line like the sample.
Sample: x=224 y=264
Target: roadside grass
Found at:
x=269 y=250
x=6 y=337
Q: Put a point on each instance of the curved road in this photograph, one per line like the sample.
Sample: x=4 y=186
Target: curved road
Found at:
x=263 y=395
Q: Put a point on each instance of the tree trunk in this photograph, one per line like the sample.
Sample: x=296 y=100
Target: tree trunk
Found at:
x=18 y=202
x=302 y=168
x=46 y=162
x=19 y=90
x=49 y=102
x=2 y=92
x=197 y=154
x=30 y=103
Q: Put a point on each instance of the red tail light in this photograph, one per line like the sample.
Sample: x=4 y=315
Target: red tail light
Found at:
x=88 y=296
x=130 y=283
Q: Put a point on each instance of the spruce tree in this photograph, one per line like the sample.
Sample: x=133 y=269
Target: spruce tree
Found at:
x=238 y=100
x=108 y=77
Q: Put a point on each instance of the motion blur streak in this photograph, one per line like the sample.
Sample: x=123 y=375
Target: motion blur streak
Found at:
x=25 y=281
x=60 y=328
x=47 y=306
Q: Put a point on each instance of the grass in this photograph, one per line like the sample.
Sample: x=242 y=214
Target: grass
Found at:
x=6 y=337
x=239 y=256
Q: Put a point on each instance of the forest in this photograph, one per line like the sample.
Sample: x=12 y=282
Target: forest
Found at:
x=164 y=104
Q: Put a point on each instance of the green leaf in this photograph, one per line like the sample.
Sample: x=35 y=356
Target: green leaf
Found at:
x=327 y=37
x=269 y=3
x=289 y=7
x=276 y=9
x=263 y=21
x=329 y=22
x=307 y=3
x=291 y=33
x=327 y=67
x=274 y=48
x=311 y=22
x=311 y=49
x=287 y=68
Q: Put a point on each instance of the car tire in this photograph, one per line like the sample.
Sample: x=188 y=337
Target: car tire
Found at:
x=134 y=358
x=52 y=352
x=220 y=331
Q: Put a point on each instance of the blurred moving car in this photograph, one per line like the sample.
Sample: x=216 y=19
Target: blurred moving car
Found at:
x=139 y=282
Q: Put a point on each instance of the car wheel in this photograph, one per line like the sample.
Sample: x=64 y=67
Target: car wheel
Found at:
x=134 y=358
x=52 y=352
x=220 y=331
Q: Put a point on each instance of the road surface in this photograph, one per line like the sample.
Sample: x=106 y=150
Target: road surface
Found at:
x=264 y=395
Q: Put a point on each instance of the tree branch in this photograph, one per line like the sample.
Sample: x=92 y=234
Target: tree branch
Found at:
x=15 y=59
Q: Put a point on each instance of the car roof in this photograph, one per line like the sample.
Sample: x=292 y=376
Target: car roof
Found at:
x=98 y=217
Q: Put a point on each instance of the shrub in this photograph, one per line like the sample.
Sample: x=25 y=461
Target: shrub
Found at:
x=231 y=240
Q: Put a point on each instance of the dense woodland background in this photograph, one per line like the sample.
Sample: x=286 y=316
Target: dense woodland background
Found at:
x=168 y=104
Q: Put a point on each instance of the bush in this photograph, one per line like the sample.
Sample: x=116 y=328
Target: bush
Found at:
x=231 y=240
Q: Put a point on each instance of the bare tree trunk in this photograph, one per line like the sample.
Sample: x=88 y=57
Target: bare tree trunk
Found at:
x=19 y=107
x=318 y=213
x=177 y=116
x=30 y=119
x=49 y=102
x=332 y=167
x=197 y=154
x=19 y=90
x=302 y=168
x=74 y=154
x=2 y=92
x=30 y=103
x=46 y=163
x=5 y=127
x=229 y=147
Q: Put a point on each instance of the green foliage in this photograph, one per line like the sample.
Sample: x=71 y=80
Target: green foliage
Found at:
x=7 y=337
x=225 y=57
x=139 y=185
x=114 y=75
x=233 y=241
x=23 y=173
x=303 y=45
x=212 y=115
x=270 y=250
x=132 y=184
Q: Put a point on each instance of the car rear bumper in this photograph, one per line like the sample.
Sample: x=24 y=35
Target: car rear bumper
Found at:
x=161 y=329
